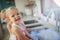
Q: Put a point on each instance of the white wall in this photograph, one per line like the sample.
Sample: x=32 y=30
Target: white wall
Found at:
x=20 y=4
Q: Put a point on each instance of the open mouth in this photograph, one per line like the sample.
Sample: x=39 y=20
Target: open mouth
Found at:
x=17 y=19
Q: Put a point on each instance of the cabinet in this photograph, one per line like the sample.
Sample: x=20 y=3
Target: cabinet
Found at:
x=6 y=3
x=0 y=6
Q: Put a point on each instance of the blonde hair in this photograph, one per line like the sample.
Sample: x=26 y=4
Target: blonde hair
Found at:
x=10 y=8
x=3 y=15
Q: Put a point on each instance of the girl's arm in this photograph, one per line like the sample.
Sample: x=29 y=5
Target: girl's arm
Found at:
x=9 y=28
x=28 y=35
x=19 y=34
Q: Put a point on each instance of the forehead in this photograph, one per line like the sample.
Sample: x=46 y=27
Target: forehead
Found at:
x=13 y=11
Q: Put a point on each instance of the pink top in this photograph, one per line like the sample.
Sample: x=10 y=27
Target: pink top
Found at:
x=20 y=27
x=23 y=31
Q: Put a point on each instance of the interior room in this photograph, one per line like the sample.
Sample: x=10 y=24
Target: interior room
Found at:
x=40 y=18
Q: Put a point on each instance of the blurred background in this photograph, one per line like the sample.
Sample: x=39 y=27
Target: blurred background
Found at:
x=36 y=14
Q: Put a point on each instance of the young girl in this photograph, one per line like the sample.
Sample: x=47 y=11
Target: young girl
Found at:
x=6 y=19
x=18 y=32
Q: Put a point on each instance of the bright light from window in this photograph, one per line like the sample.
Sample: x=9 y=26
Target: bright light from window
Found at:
x=57 y=2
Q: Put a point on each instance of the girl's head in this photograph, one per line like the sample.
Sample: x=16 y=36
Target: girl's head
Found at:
x=3 y=15
x=13 y=14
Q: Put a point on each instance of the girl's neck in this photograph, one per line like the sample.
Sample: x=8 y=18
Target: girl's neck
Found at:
x=17 y=23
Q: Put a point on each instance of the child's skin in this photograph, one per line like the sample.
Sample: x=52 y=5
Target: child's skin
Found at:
x=15 y=17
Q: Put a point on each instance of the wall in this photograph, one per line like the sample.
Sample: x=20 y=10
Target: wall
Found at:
x=20 y=4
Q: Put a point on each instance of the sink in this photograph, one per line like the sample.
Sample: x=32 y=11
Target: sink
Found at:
x=30 y=21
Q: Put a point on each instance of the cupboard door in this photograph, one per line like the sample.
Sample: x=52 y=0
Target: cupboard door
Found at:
x=9 y=3
x=0 y=6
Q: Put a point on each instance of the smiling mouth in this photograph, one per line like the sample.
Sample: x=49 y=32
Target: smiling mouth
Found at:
x=18 y=19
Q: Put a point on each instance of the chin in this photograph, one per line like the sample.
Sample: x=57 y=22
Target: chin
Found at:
x=17 y=22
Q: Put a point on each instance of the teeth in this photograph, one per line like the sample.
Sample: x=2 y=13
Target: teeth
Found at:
x=17 y=19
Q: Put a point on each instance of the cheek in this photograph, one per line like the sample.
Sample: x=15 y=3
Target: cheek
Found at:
x=12 y=19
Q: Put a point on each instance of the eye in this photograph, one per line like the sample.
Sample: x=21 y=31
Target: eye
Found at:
x=17 y=13
x=3 y=18
x=12 y=15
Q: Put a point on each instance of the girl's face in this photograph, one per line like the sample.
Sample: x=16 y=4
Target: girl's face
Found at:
x=14 y=16
x=4 y=17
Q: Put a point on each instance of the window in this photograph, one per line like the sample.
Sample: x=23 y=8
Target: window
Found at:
x=49 y=5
